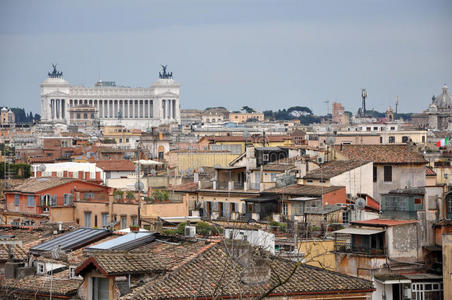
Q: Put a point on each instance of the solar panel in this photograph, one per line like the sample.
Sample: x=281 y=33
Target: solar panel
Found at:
x=72 y=240
x=125 y=242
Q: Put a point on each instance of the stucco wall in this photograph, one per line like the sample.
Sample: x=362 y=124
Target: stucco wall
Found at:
x=402 y=176
x=358 y=180
x=403 y=241
x=447 y=266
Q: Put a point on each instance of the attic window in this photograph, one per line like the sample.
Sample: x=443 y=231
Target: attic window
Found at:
x=40 y=268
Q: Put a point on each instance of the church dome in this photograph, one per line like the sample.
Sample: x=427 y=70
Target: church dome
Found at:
x=443 y=101
x=4 y=109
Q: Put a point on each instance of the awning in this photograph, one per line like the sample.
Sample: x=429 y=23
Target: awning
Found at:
x=260 y=199
x=360 y=231
x=148 y=162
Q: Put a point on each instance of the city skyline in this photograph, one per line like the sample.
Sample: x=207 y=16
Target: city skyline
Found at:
x=266 y=54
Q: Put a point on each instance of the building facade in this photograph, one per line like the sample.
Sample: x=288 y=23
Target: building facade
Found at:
x=109 y=104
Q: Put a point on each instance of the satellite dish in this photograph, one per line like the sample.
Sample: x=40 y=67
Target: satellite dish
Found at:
x=246 y=134
x=189 y=172
x=360 y=203
x=201 y=170
x=42 y=168
x=139 y=186
x=331 y=140
x=153 y=172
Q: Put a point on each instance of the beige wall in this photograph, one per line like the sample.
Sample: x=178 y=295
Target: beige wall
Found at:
x=61 y=214
x=166 y=209
x=194 y=160
x=318 y=253
x=447 y=266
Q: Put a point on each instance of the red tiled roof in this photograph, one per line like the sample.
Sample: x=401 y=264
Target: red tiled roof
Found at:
x=384 y=222
x=396 y=154
x=115 y=165
x=429 y=171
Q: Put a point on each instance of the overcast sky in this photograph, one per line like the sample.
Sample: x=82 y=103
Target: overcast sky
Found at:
x=264 y=54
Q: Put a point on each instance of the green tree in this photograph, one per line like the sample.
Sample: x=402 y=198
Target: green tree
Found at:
x=248 y=109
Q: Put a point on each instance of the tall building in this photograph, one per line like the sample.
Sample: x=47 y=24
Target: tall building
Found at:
x=108 y=104
x=338 y=114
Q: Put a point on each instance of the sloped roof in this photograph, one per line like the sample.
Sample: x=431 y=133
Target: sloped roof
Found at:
x=72 y=240
x=304 y=190
x=115 y=165
x=152 y=257
x=384 y=222
x=393 y=154
x=34 y=185
x=42 y=285
x=334 y=168
x=18 y=252
x=215 y=274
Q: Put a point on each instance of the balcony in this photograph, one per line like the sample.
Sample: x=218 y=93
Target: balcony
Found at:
x=343 y=246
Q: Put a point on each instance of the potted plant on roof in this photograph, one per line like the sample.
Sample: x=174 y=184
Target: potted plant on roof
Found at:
x=134 y=228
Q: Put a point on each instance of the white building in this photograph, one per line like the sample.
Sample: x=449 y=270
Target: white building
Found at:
x=138 y=108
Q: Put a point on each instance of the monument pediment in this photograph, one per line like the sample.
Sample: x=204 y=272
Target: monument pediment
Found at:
x=57 y=94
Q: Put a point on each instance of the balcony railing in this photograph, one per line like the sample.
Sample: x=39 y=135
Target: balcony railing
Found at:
x=347 y=247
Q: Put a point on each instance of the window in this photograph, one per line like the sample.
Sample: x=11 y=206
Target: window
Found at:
x=67 y=199
x=392 y=128
x=423 y=138
x=127 y=140
x=99 y=288
x=123 y=222
x=104 y=219
x=40 y=268
x=134 y=220
x=309 y=180
x=95 y=221
x=391 y=139
x=405 y=139
x=16 y=199
x=88 y=196
x=345 y=217
x=85 y=116
x=72 y=272
x=375 y=174
x=87 y=219
x=388 y=173
x=285 y=209
x=31 y=201
x=78 y=116
x=381 y=140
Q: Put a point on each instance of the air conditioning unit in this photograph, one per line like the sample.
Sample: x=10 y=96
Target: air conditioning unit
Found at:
x=320 y=160
x=190 y=231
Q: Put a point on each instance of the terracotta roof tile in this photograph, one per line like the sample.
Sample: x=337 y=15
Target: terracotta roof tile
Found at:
x=304 y=190
x=397 y=154
x=215 y=274
x=34 y=185
x=41 y=285
x=384 y=222
x=18 y=252
x=115 y=165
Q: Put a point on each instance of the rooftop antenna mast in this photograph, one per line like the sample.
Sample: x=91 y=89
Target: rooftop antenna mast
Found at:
x=363 y=96
x=396 y=104
x=327 y=102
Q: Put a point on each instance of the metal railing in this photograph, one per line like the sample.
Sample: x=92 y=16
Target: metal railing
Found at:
x=347 y=247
